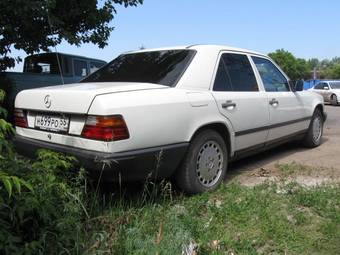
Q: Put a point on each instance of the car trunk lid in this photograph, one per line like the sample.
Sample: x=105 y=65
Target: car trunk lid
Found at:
x=74 y=98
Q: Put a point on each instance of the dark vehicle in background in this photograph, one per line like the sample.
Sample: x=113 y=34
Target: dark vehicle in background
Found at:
x=42 y=70
x=73 y=67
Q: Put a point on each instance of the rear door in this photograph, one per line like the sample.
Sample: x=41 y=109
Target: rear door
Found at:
x=286 y=108
x=240 y=100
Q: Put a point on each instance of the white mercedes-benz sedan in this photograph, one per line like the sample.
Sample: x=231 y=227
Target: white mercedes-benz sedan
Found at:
x=329 y=90
x=184 y=112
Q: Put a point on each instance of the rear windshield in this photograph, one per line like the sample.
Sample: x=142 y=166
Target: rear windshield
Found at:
x=160 y=67
x=335 y=84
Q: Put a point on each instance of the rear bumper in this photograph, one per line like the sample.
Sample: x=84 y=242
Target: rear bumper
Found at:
x=156 y=162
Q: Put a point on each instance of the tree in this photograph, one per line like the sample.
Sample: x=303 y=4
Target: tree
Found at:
x=35 y=25
x=313 y=63
x=295 y=68
x=331 y=72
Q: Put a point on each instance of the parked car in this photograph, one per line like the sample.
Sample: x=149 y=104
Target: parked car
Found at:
x=329 y=90
x=182 y=111
x=41 y=70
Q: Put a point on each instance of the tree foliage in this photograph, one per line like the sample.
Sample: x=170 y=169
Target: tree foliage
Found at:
x=35 y=25
x=6 y=129
x=42 y=204
x=329 y=69
x=295 y=68
x=298 y=68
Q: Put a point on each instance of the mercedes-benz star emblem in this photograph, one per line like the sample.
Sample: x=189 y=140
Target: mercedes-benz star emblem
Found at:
x=47 y=101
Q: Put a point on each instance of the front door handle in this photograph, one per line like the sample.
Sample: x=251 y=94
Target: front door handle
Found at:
x=228 y=103
x=273 y=102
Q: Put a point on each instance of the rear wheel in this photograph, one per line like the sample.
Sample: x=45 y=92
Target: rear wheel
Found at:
x=205 y=165
x=334 y=100
x=315 y=130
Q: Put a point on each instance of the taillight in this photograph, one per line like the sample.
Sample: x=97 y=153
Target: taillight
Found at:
x=20 y=119
x=105 y=128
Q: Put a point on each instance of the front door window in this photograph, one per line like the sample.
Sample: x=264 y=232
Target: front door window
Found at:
x=273 y=80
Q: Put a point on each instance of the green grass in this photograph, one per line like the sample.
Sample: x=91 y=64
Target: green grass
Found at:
x=234 y=219
x=293 y=168
x=64 y=214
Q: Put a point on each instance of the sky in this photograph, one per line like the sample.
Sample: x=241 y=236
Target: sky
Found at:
x=307 y=28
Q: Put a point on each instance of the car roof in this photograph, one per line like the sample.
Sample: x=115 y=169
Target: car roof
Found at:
x=64 y=54
x=329 y=80
x=199 y=47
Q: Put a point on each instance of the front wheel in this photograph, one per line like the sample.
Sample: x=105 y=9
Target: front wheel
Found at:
x=205 y=165
x=315 y=130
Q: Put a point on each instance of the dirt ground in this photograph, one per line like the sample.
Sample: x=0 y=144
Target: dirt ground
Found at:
x=315 y=166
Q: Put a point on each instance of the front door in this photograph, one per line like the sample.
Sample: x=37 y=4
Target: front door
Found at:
x=239 y=99
x=318 y=88
x=286 y=109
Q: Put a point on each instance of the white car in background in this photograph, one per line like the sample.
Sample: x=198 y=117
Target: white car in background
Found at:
x=329 y=90
x=182 y=111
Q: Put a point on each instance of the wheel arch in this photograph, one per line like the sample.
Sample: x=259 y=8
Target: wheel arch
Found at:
x=321 y=107
x=220 y=128
x=331 y=98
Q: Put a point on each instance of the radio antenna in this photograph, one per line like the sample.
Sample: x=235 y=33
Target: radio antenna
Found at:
x=55 y=46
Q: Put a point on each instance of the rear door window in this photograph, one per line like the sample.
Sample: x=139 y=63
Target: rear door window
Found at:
x=235 y=73
x=222 y=80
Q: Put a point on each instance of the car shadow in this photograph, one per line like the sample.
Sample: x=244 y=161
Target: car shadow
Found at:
x=132 y=191
x=259 y=160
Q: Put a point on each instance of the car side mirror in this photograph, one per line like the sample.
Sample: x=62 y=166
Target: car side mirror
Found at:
x=298 y=86
x=326 y=88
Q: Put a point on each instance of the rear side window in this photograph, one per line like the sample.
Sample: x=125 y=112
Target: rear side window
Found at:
x=235 y=73
x=273 y=80
x=80 y=67
x=160 y=67
x=335 y=85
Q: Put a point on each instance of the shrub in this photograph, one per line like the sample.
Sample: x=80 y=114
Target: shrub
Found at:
x=44 y=209
x=6 y=129
x=42 y=204
x=9 y=88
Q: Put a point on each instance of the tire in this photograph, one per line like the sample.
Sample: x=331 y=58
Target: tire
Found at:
x=315 y=130
x=334 y=100
x=205 y=164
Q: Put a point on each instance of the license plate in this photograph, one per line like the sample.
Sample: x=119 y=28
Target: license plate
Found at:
x=52 y=123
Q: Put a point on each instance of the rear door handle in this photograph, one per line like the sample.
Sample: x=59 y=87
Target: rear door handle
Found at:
x=273 y=102
x=228 y=103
